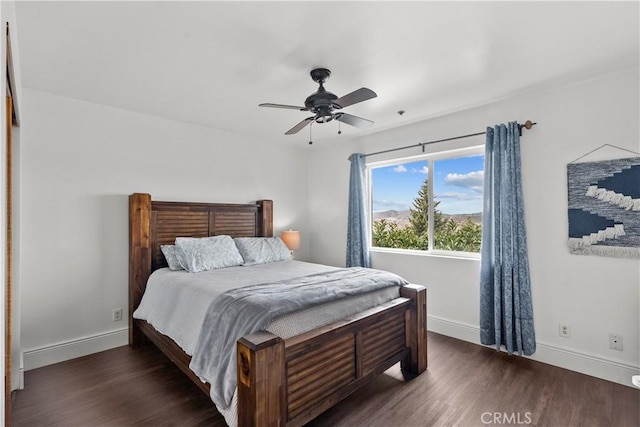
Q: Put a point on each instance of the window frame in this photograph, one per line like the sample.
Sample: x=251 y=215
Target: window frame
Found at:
x=431 y=158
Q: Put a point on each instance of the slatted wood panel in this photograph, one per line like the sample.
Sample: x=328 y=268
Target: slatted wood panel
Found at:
x=314 y=376
x=167 y=225
x=171 y=220
x=382 y=341
x=234 y=223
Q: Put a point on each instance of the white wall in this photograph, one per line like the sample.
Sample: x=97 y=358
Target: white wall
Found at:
x=80 y=161
x=595 y=295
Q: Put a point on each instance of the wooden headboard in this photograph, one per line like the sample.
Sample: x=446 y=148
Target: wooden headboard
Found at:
x=153 y=223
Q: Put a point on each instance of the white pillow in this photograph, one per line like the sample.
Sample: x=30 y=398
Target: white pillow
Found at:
x=261 y=250
x=207 y=253
x=170 y=253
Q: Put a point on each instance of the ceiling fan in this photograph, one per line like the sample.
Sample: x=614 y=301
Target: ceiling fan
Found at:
x=324 y=104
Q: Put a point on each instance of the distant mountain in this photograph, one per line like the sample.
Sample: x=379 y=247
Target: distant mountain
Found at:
x=402 y=217
x=475 y=217
x=392 y=213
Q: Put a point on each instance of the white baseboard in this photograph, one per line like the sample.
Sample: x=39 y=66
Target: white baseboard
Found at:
x=21 y=372
x=594 y=366
x=60 y=352
x=564 y=358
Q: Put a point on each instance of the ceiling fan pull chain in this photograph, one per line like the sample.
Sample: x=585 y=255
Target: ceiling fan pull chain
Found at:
x=339 y=131
x=310 y=139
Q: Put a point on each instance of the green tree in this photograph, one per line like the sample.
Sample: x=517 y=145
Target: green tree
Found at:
x=388 y=234
x=455 y=236
x=419 y=213
x=470 y=236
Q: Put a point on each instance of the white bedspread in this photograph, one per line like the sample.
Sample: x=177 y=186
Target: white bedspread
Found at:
x=175 y=302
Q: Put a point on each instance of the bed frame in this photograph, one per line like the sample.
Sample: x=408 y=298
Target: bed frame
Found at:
x=280 y=382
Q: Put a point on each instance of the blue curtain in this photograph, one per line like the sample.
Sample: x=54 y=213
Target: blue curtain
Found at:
x=506 y=310
x=357 y=225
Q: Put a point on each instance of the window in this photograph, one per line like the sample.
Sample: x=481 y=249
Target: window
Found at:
x=430 y=203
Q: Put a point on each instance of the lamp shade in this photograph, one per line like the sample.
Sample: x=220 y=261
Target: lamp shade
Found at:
x=291 y=238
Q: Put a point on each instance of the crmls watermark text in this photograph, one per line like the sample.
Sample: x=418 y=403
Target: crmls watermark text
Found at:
x=506 y=418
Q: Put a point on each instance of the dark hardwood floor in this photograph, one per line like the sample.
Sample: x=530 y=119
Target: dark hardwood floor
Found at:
x=466 y=385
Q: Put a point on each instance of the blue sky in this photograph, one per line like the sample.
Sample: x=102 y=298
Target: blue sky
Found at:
x=457 y=184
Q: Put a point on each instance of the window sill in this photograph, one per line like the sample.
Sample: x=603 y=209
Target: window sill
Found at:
x=435 y=253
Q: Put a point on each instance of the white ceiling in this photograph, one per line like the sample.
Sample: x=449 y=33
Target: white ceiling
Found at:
x=212 y=63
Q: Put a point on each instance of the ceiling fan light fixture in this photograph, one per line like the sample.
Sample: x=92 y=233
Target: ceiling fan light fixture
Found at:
x=323 y=103
x=324 y=119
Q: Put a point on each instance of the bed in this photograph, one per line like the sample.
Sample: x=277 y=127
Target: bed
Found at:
x=327 y=363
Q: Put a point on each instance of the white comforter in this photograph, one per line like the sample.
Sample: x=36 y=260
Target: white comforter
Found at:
x=176 y=302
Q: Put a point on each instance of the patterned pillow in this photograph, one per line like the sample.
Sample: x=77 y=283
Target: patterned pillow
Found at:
x=207 y=253
x=261 y=250
x=170 y=253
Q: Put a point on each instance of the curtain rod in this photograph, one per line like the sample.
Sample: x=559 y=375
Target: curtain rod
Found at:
x=528 y=125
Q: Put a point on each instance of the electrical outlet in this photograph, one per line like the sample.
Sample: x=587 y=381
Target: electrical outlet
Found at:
x=117 y=314
x=615 y=342
x=564 y=330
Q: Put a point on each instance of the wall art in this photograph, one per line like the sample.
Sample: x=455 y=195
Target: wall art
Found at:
x=604 y=208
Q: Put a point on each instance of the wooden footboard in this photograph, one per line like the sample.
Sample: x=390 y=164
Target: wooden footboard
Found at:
x=290 y=382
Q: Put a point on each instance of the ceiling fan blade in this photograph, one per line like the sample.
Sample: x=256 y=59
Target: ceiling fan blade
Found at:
x=288 y=107
x=297 y=128
x=354 y=97
x=352 y=120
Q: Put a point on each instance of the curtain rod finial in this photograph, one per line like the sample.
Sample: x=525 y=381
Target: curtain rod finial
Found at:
x=527 y=125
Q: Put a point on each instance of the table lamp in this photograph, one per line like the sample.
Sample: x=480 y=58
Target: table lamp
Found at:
x=291 y=238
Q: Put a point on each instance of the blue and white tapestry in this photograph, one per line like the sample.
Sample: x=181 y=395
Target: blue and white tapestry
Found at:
x=604 y=208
